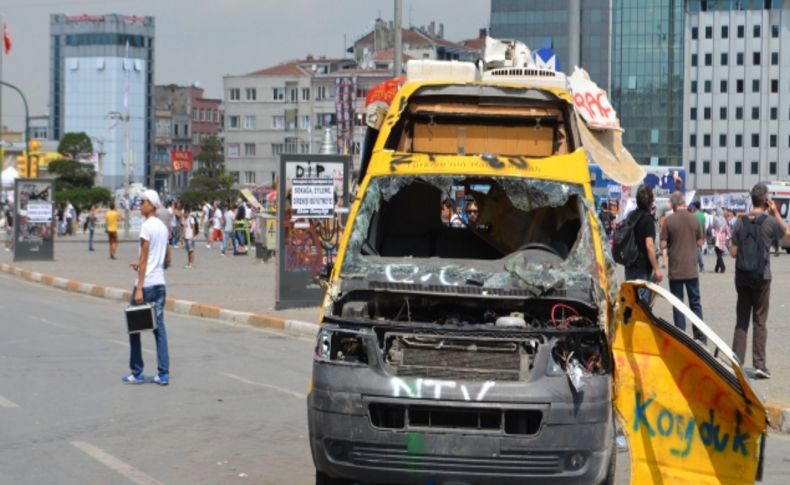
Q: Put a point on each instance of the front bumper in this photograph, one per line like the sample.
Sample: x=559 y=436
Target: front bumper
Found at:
x=574 y=442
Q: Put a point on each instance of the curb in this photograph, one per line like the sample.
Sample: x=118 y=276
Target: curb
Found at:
x=183 y=307
x=778 y=416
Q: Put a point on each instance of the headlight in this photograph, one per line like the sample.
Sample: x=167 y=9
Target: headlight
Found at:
x=324 y=345
x=340 y=345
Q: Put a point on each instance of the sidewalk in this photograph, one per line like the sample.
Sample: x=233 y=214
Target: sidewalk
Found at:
x=241 y=283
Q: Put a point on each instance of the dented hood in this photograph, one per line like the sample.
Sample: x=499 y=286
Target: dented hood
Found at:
x=688 y=411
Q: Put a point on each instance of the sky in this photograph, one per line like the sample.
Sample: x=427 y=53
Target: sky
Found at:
x=203 y=40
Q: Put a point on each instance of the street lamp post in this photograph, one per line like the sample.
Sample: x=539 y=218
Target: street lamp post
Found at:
x=127 y=161
x=27 y=126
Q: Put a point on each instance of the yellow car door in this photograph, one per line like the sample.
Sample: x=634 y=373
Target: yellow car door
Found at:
x=687 y=410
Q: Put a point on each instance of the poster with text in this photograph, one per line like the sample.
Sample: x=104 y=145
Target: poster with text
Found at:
x=314 y=194
x=34 y=222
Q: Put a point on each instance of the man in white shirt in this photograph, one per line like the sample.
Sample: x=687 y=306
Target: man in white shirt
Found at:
x=216 y=225
x=229 y=236
x=206 y=220
x=190 y=233
x=150 y=288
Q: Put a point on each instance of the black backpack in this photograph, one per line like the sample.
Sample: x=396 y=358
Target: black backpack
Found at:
x=624 y=248
x=752 y=256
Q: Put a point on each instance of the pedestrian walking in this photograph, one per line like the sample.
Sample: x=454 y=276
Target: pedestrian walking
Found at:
x=111 y=218
x=216 y=225
x=61 y=220
x=154 y=258
x=190 y=234
x=70 y=216
x=206 y=220
x=606 y=217
x=90 y=225
x=9 y=228
x=721 y=235
x=752 y=237
x=645 y=267
x=682 y=236
x=700 y=216
x=228 y=218
x=164 y=214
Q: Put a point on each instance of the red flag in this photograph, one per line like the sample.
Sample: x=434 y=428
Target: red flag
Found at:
x=6 y=39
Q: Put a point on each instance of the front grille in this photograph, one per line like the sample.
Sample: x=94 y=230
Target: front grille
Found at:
x=457 y=359
x=396 y=457
x=485 y=419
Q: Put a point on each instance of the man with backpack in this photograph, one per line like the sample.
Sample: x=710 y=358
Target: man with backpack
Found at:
x=752 y=237
x=634 y=242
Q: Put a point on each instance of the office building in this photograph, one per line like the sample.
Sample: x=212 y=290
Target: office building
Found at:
x=737 y=94
x=101 y=83
x=647 y=78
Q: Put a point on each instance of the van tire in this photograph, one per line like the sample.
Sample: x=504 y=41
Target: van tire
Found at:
x=322 y=478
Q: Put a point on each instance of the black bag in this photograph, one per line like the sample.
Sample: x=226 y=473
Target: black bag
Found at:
x=194 y=219
x=752 y=256
x=624 y=248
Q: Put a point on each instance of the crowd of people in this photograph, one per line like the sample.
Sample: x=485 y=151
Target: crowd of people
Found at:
x=228 y=226
x=676 y=241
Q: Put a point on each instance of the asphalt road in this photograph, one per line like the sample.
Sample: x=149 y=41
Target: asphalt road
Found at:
x=234 y=412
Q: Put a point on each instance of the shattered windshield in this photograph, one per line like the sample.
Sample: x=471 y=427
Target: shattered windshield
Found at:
x=466 y=231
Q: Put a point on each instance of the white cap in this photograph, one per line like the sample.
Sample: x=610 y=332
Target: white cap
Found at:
x=152 y=197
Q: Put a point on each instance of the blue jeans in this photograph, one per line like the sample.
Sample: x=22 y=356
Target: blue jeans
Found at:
x=155 y=295
x=632 y=274
x=692 y=289
x=90 y=239
x=700 y=261
x=228 y=237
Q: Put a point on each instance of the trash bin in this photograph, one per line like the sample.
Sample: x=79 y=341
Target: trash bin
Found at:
x=265 y=236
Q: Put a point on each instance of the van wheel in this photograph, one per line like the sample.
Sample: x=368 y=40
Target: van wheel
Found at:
x=322 y=478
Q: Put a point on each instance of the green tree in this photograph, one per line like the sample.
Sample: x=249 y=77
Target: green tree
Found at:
x=75 y=144
x=210 y=181
x=74 y=182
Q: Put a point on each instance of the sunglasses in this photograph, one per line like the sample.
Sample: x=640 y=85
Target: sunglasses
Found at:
x=472 y=211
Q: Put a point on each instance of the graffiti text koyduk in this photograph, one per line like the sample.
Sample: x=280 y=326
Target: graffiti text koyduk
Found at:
x=678 y=429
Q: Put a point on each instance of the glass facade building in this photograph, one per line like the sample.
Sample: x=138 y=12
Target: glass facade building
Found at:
x=539 y=23
x=101 y=73
x=647 y=78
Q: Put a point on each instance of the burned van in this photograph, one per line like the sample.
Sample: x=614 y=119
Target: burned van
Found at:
x=468 y=322
x=467 y=346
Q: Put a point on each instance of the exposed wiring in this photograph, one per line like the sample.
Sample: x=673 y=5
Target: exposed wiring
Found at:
x=561 y=325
